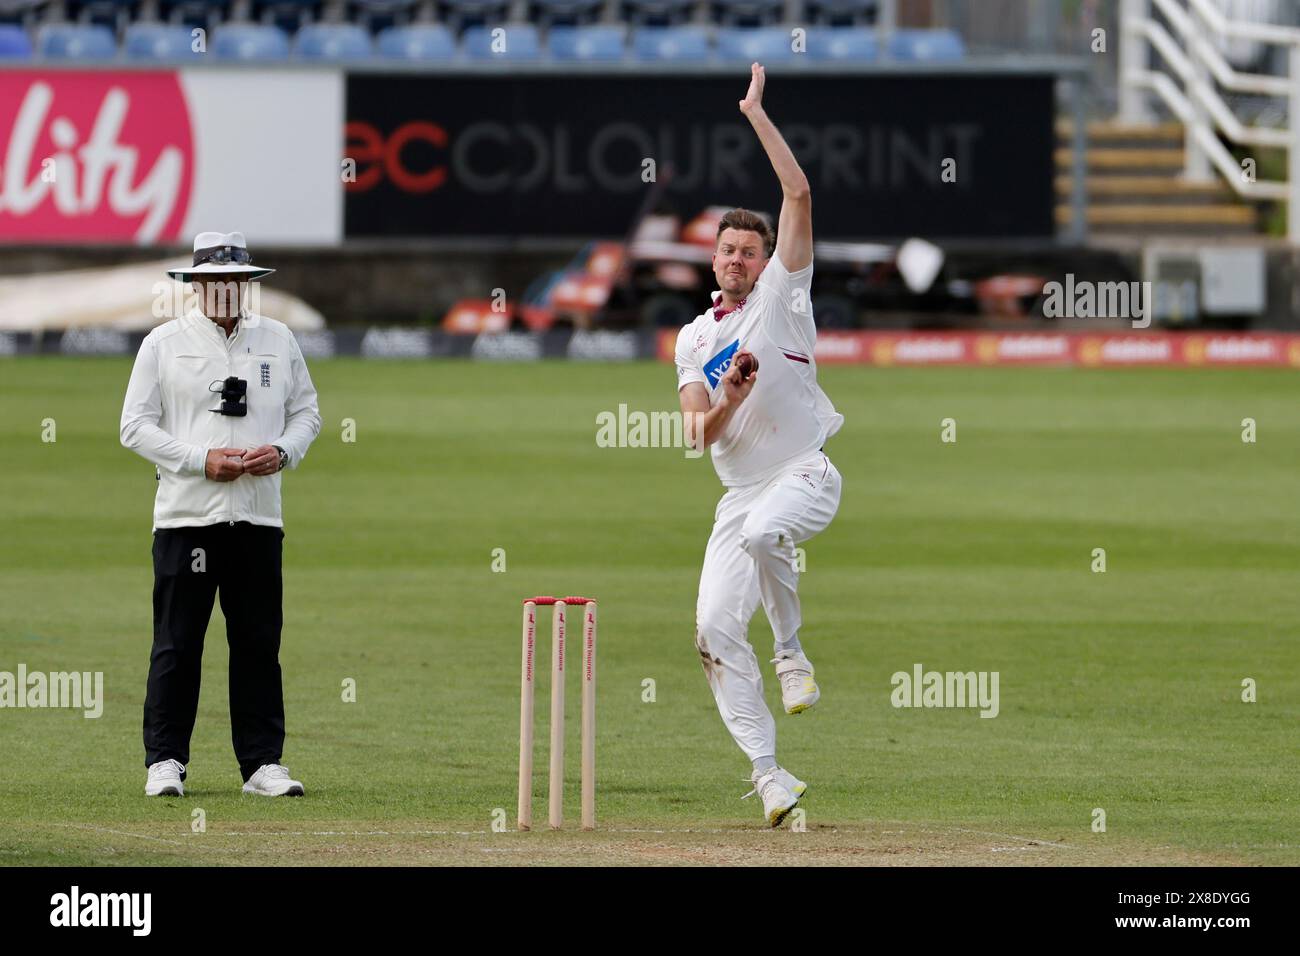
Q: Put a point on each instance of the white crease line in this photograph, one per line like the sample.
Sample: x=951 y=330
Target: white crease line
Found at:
x=127 y=833
x=1013 y=836
x=266 y=833
x=658 y=832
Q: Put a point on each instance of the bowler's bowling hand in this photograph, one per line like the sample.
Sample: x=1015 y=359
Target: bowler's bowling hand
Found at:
x=754 y=98
x=736 y=388
x=224 y=464
x=263 y=460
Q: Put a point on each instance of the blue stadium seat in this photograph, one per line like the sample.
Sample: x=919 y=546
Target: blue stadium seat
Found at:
x=332 y=41
x=468 y=13
x=841 y=12
x=856 y=44
x=420 y=41
x=75 y=41
x=106 y=13
x=926 y=45
x=250 y=41
x=671 y=43
x=587 y=43
x=747 y=44
x=567 y=12
x=521 y=42
x=747 y=13
x=288 y=15
x=158 y=41
x=378 y=15
x=14 y=43
x=659 y=13
x=195 y=13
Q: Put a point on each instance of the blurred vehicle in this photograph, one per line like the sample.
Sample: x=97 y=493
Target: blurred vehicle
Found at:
x=663 y=276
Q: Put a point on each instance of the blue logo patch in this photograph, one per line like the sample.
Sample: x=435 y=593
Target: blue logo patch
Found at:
x=717 y=366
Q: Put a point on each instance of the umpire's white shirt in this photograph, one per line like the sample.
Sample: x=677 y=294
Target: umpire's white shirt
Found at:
x=168 y=417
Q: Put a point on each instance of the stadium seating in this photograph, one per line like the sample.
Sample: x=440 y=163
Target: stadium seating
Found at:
x=114 y=14
x=250 y=41
x=520 y=40
x=748 y=13
x=747 y=44
x=856 y=44
x=841 y=12
x=559 y=31
x=379 y=15
x=587 y=43
x=194 y=13
x=332 y=41
x=657 y=13
x=566 y=12
x=75 y=41
x=420 y=41
x=288 y=15
x=469 y=13
x=14 y=43
x=926 y=45
x=158 y=41
x=671 y=43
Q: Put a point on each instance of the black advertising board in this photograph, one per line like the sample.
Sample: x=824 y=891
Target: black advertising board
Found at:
x=495 y=155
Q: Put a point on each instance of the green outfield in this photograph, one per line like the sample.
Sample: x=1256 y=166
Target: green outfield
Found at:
x=1119 y=690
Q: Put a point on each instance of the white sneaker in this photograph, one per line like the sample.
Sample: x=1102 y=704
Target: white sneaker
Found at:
x=165 y=779
x=779 y=790
x=272 y=780
x=798 y=689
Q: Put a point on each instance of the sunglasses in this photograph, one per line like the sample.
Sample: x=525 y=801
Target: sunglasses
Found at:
x=223 y=255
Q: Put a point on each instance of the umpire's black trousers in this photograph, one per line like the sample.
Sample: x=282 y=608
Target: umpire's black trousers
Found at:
x=191 y=566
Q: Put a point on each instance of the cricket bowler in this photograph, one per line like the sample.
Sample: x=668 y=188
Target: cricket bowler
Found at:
x=747 y=382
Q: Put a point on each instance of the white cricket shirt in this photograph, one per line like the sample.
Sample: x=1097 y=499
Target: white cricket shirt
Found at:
x=786 y=416
x=168 y=419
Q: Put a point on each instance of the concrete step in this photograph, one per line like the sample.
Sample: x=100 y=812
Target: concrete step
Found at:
x=1149 y=191
x=1155 y=217
x=1146 y=186
x=1109 y=129
x=1126 y=160
x=1142 y=233
x=1135 y=184
x=1119 y=135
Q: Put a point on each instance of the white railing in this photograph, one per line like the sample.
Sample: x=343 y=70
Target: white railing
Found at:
x=1189 y=86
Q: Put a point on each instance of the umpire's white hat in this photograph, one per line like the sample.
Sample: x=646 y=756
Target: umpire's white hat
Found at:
x=220 y=254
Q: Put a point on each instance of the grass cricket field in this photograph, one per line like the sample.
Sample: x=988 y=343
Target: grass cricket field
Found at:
x=1119 y=691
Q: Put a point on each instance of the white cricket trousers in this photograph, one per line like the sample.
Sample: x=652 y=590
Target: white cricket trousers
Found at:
x=750 y=557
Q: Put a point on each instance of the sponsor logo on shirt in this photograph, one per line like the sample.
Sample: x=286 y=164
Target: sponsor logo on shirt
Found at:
x=717 y=366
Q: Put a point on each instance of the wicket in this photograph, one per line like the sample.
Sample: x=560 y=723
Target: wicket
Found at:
x=556 y=792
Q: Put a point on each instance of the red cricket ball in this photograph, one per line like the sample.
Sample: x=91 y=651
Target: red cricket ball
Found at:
x=747 y=364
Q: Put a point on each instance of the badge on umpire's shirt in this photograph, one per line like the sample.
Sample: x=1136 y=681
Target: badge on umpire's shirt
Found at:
x=266 y=374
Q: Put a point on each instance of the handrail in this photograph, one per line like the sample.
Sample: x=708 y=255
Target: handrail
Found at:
x=1221 y=68
x=1266 y=32
x=1189 y=86
x=1223 y=160
x=1224 y=118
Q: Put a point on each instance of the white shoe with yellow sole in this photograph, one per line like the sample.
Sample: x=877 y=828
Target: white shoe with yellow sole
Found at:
x=779 y=791
x=798 y=689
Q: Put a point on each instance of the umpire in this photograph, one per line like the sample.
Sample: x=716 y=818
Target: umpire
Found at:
x=221 y=402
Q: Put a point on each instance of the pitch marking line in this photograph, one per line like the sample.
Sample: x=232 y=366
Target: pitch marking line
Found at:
x=140 y=836
x=462 y=833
